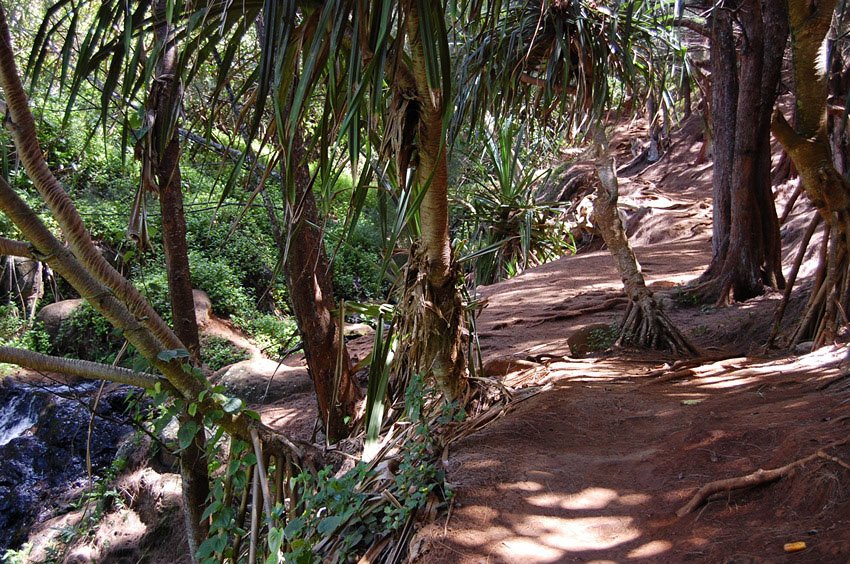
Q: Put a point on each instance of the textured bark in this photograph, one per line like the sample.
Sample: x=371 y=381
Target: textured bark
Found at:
x=443 y=352
x=29 y=152
x=81 y=368
x=808 y=146
x=165 y=99
x=308 y=276
x=746 y=246
x=741 y=269
x=776 y=31
x=724 y=96
x=645 y=325
x=176 y=250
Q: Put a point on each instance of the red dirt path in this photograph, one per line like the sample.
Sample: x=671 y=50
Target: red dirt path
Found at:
x=594 y=468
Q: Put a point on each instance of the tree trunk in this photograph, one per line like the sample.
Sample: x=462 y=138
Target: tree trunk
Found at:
x=308 y=276
x=164 y=100
x=746 y=245
x=439 y=346
x=775 y=18
x=724 y=100
x=645 y=324
x=809 y=148
x=84 y=267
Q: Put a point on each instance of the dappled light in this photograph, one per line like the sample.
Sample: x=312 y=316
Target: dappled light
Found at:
x=428 y=282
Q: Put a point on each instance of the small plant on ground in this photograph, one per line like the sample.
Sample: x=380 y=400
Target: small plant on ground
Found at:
x=602 y=338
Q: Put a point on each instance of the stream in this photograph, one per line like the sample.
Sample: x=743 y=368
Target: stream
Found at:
x=43 y=431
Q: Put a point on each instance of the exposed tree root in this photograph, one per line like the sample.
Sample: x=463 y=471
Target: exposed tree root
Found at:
x=808 y=146
x=646 y=325
x=789 y=207
x=671 y=376
x=604 y=306
x=756 y=478
x=792 y=278
x=826 y=309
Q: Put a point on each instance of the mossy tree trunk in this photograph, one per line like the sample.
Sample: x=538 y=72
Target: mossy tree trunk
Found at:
x=645 y=325
x=808 y=145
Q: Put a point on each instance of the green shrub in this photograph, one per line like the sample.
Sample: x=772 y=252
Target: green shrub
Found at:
x=357 y=262
x=217 y=352
x=218 y=278
x=16 y=331
x=272 y=334
x=214 y=276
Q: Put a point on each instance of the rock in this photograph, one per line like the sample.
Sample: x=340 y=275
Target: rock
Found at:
x=41 y=462
x=590 y=338
x=498 y=367
x=55 y=315
x=251 y=378
x=80 y=555
x=357 y=330
x=27 y=282
x=203 y=306
x=804 y=348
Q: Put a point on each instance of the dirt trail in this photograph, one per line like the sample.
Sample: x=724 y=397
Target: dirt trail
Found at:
x=594 y=469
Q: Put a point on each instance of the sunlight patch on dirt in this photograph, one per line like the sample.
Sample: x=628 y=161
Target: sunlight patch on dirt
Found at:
x=650 y=549
x=590 y=498
x=557 y=535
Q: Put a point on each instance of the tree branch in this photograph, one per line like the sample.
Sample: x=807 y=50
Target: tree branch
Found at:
x=783 y=132
x=13 y=248
x=81 y=368
x=692 y=25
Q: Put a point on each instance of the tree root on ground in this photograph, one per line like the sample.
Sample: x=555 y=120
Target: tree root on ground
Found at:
x=645 y=325
x=827 y=307
x=756 y=478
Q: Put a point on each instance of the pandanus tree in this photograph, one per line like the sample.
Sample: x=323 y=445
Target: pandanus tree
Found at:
x=337 y=56
x=559 y=58
x=381 y=72
x=80 y=262
x=808 y=145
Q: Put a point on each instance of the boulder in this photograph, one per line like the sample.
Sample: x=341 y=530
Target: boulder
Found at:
x=596 y=337
x=55 y=315
x=203 y=307
x=260 y=380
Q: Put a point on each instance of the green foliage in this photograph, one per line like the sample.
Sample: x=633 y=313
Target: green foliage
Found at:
x=249 y=249
x=16 y=331
x=217 y=278
x=88 y=335
x=271 y=333
x=20 y=556
x=506 y=228
x=356 y=253
x=602 y=338
x=340 y=512
x=356 y=267
x=217 y=352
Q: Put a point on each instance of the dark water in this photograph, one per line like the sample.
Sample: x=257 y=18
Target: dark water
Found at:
x=43 y=448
